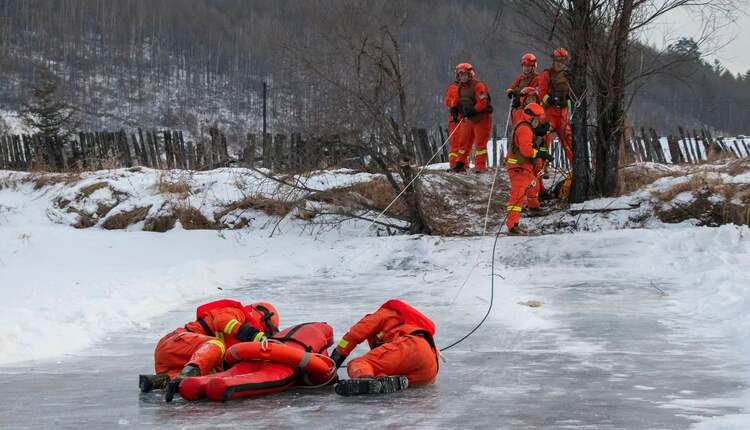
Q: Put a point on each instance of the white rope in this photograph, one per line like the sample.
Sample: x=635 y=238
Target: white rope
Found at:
x=497 y=170
x=486 y=214
x=334 y=373
x=415 y=177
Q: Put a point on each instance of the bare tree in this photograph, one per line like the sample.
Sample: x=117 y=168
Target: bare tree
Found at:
x=355 y=56
x=601 y=36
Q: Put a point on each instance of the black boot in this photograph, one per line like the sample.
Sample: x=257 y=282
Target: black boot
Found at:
x=379 y=385
x=460 y=167
x=174 y=385
x=152 y=382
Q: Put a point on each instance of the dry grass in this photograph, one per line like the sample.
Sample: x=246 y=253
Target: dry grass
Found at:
x=738 y=167
x=696 y=183
x=102 y=209
x=271 y=207
x=381 y=194
x=180 y=187
x=635 y=177
x=192 y=219
x=88 y=190
x=41 y=180
x=713 y=202
x=714 y=156
x=160 y=224
x=123 y=219
x=84 y=220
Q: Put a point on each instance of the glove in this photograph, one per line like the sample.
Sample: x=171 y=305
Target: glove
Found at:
x=468 y=112
x=248 y=333
x=338 y=357
x=454 y=114
x=544 y=155
x=542 y=129
x=510 y=93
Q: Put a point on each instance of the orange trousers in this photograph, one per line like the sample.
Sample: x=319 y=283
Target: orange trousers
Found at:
x=558 y=120
x=475 y=133
x=181 y=347
x=410 y=356
x=455 y=150
x=520 y=186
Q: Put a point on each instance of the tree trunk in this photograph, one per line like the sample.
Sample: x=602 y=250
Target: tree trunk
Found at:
x=580 y=21
x=611 y=102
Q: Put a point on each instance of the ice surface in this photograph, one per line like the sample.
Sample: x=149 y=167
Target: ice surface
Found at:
x=637 y=328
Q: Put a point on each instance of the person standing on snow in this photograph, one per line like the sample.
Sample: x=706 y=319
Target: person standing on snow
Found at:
x=554 y=89
x=455 y=151
x=402 y=351
x=198 y=348
x=529 y=78
x=469 y=99
x=520 y=165
x=527 y=96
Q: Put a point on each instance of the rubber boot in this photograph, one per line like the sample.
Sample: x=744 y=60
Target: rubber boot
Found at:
x=174 y=385
x=379 y=385
x=517 y=230
x=152 y=382
x=460 y=167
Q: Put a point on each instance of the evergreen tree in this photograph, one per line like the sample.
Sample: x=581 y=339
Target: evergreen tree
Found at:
x=45 y=112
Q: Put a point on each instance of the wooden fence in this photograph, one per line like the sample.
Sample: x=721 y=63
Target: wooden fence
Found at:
x=685 y=147
x=90 y=151
x=168 y=149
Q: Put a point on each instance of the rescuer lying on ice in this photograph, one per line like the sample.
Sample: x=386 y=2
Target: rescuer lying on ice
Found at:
x=198 y=348
x=402 y=351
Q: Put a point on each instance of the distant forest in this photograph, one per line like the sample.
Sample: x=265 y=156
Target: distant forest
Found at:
x=195 y=63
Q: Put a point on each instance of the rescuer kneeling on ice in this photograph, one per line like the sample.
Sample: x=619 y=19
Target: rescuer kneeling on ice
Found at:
x=402 y=351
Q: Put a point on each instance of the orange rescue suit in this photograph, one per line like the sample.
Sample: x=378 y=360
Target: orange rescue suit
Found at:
x=555 y=85
x=476 y=131
x=398 y=348
x=454 y=147
x=519 y=162
x=203 y=342
x=523 y=80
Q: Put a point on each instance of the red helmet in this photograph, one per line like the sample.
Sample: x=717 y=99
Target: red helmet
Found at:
x=560 y=54
x=534 y=110
x=528 y=59
x=466 y=67
x=268 y=315
x=528 y=91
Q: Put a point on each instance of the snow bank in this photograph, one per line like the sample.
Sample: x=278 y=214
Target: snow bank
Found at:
x=64 y=289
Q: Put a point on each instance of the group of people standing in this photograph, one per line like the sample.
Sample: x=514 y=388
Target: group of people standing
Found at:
x=540 y=105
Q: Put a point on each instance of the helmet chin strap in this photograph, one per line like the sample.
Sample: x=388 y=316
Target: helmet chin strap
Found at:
x=267 y=315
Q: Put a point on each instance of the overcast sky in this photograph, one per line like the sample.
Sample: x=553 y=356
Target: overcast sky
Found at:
x=686 y=22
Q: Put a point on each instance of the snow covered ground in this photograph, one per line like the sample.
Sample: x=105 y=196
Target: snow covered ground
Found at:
x=641 y=328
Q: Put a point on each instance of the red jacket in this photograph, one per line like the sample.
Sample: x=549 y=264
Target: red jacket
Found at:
x=522 y=150
x=481 y=95
x=386 y=325
x=547 y=88
x=533 y=81
x=230 y=324
x=451 y=95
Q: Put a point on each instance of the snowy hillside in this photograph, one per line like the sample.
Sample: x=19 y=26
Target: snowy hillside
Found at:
x=625 y=313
